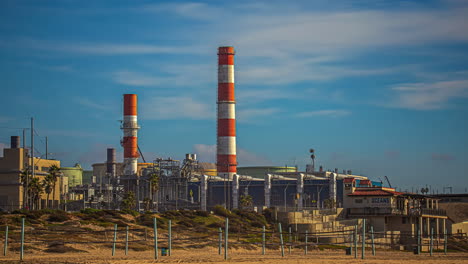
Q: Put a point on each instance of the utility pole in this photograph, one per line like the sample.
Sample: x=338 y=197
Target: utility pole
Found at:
x=46 y=147
x=33 y=167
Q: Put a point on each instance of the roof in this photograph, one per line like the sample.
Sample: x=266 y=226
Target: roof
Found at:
x=374 y=192
x=347 y=180
x=365 y=182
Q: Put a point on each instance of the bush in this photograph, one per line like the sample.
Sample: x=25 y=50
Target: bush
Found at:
x=90 y=211
x=58 y=217
x=202 y=213
x=130 y=212
x=221 y=211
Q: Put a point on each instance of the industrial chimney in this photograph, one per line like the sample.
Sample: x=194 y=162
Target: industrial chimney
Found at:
x=15 y=142
x=226 y=160
x=110 y=162
x=130 y=130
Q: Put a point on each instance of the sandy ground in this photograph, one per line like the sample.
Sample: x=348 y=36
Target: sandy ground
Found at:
x=210 y=255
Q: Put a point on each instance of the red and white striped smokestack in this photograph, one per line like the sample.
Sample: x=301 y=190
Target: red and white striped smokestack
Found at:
x=130 y=130
x=226 y=160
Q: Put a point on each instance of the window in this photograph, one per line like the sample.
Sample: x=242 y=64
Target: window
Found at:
x=358 y=200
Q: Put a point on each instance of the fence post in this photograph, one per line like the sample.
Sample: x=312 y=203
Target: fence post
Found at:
x=22 y=239
x=351 y=241
x=115 y=239
x=290 y=240
x=355 y=241
x=432 y=241
x=155 y=230
x=126 y=241
x=226 y=238
x=363 y=238
x=5 y=246
x=372 y=239
x=170 y=238
x=419 y=241
x=281 y=239
x=263 y=240
x=220 y=239
x=445 y=241
x=305 y=240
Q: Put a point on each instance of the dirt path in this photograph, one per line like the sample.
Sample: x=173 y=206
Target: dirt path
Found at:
x=210 y=255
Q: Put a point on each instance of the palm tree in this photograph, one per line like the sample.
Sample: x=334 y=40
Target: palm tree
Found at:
x=54 y=172
x=35 y=190
x=24 y=175
x=47 y=185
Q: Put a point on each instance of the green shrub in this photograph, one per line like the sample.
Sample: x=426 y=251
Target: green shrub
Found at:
x=202 y=213
x=58 y=217
x=130 y=212
x=90 y=211
x=221 y=211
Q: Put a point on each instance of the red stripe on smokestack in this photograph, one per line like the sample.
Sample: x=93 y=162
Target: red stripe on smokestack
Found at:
x=226 y=159
x=226 y=92
x=226 y=127
x=130 y=104
x=130 y=147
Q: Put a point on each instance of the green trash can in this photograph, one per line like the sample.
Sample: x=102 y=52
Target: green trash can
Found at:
x=163 y=251
x=348 y=251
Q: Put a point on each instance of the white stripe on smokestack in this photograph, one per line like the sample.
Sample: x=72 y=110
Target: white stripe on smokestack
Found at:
x=227 y=111
x=130 y=131
x=226 y=159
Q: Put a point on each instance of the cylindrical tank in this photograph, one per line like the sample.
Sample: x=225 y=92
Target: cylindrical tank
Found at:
x=74 y=174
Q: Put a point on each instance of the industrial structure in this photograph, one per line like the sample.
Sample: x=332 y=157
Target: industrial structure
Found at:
x=130 y=134
x=226 y=159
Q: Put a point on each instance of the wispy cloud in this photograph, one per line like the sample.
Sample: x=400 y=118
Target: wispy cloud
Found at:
x=428 y=96
x=171 y=108
x=86 y=102
x=325 y=113
x=4 y=119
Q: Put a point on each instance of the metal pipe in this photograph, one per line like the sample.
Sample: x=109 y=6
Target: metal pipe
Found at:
x=170 y=238
x=305 y=239
x=155 y=230
x=281 y=239
x=22 y=240
x=290 y=240
x=445 y=241
x=226 y=238
x=372 y=238
x=5 y=246
x=115 y=240
x=419 y=241
x=363 y=238
x=126 y=241
x=355 y=241
x=432 y=241
x=263 y=240
x=220 y=239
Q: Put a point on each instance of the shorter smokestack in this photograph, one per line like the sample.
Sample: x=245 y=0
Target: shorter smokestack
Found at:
x=110 y=161
x=15 y=142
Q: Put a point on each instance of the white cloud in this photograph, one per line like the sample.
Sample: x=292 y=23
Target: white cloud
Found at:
x=428 y=96
x=207 y=153
x=90 y=104
x=326 y=113
x=170 y=108
x=136 y=79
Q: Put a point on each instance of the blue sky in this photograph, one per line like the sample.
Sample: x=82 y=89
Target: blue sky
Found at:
x=378 y=87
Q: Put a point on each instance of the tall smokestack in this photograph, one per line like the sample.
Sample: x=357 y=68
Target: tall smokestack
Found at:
x=226 y=160
x=130 y=130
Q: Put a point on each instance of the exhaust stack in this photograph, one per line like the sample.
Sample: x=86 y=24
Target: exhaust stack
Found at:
x=226 y=159
x=130 y=132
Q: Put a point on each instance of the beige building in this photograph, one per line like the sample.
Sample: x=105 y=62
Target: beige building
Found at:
x=388 y=210
x=14 y=161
